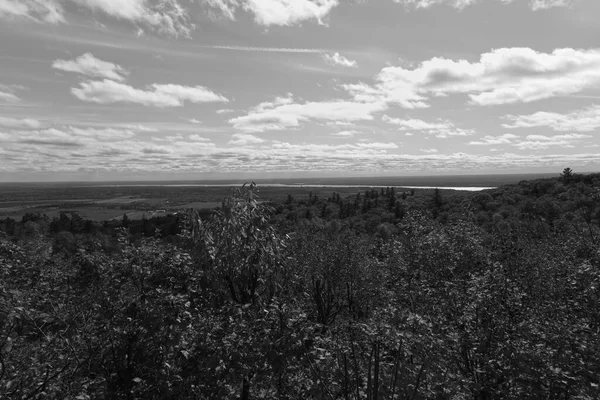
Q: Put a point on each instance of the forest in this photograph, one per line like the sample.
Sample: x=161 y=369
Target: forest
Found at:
x=382 y=294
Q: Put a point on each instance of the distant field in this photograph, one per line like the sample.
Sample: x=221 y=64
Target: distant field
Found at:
x=109 y=200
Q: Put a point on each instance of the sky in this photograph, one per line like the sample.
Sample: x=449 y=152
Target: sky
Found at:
x=212 y=89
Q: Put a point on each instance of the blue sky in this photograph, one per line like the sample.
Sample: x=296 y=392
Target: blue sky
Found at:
x=200 y=89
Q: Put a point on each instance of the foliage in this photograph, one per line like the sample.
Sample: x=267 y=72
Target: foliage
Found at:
x=373 y=297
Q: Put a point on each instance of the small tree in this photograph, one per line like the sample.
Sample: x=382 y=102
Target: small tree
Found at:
x=567 y=175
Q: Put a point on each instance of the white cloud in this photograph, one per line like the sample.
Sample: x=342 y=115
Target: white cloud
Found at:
x=585 y=120
x=502 y=76
x=545 y=4
x=90 y=66
x=19 y=123
x=197 y=138
x=195 y=121
x=541 y=142
x=429 y=151
x=8 y=97
x=166 y=16
x=441 y=129
x=337 y=59
x=348 y=133
x=269 y=49
x=47 y=137
x=532 y=142
x=110 y=134
x=285 y=113
x=244 y=139
x=460 y=4
x=138 y=127
x=158 y=95
x=37 y=10
x=495 y=140
x=224 y=111
x=277 y=12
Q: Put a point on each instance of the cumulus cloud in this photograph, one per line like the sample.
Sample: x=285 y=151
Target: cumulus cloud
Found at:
x=9 y=122
x=244 y=139
x=429 y=151
x=545 y=4
x=277 y=12
x=49 y=11
x=284 y=113
x=91 y=66
x=48 y=137
x=532 y=142
x=198 y=138
x=535 y=5
x=507 y=138
x=460 y=4
x=502 y=76
x=165 y=16
x=540 y=142
x=157 y=95
x=110 y=134
x=441 y=129
x=584 y=120
x=347 y=133
x=337 y=59
x=195 y=121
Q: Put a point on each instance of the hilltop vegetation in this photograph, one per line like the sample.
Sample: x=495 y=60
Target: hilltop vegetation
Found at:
x=376 y=295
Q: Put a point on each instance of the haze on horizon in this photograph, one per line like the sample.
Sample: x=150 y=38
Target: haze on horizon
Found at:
x=108 y=90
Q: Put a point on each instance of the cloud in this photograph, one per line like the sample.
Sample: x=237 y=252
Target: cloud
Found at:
x=535 y=5
x=110 y=134
x=49 y=11
x=138 y=127
x=224 y=111
x=348 y=133
x=8 y=97
x=545 y=4
x=495 y=140
x=197 y=138
x=502 y=76
x=442 y=129
x=195 y=121
x=531 y=142
x=284 y=113
x=268 y=49
x=429 y=151
x=90 y=66
x=277 y=12
x=337 y=59
x=244 y=139
x=47 y=137
x=165 y=16
x=157 y=95
x=460 y=4
x=19 y=123
x=585 y=120
x=540 y=142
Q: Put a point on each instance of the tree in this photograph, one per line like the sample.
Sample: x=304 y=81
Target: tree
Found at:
x=567 y=175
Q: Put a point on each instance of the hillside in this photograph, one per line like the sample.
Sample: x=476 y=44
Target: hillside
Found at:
x=381 y=294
